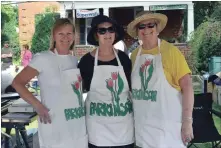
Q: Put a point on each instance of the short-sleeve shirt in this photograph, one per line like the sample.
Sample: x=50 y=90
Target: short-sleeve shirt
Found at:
x=174 y=63
x=49 y=66
x=6 y=51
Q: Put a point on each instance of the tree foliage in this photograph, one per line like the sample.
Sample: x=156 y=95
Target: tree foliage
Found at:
x=203 y=10
x=9 y=22
x=43 y=25
x=206 y=41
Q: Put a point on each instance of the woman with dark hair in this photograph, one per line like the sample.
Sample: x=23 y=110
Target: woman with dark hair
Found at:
x=106 y=76
x=61 y=109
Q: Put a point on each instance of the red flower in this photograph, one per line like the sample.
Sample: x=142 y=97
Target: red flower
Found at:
x=110 y=83
x=142 y=68
x=114 y=75
x=147 y=62
x=77 y=85
x=79 y=78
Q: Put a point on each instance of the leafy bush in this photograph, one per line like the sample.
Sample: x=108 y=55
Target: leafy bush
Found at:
x=9 y=23
x=206 y=42
x=41 y=37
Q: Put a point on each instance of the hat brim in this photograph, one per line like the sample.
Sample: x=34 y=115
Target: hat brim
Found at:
x=119 y=31
x=161 y=19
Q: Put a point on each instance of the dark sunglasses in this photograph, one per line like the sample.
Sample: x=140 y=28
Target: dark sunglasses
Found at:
x=149 y=25
x=104 y=30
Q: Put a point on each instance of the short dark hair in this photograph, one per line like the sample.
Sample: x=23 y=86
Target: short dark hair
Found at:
x=26 y=46
x=6 y=42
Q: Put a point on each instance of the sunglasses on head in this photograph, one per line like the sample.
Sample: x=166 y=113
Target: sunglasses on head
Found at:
x=104 y=30
x=149 y=25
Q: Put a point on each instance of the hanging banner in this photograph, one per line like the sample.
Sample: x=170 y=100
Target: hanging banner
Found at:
x=168 y=7
x=87 y=13
x=81 y=50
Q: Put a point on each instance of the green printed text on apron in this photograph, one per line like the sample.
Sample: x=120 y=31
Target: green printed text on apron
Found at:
x=74 y=113
x=115 y=85
x=144 y=95
x=109 y=110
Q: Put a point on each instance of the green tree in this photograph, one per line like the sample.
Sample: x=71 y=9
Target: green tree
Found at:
x=43 y=26
x=9 y=22
x=206 y=41
x=203 y=10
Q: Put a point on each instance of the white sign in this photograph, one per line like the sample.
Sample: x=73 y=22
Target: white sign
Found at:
x=87 y=13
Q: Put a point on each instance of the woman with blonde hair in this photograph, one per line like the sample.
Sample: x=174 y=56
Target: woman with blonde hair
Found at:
x=162 y=91
x=61 y=109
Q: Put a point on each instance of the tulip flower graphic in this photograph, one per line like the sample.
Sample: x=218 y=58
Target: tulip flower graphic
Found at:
x=115 y=85
x=77 y=85
x=114 y=75
x=146 y=71
x=79 y=78
x=77 y=88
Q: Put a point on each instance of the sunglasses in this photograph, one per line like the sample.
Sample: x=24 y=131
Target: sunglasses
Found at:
x=149 y=25
x=104 y=30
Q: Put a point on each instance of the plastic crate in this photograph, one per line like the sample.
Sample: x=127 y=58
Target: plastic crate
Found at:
x=214 y=65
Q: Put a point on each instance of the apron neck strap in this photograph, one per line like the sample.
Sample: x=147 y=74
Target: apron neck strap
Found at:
x=96 y=58
x=158 y=44
x=140 y=49
x=55 y=51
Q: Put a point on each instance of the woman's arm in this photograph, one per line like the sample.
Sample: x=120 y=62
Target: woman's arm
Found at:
x=19 y=84
x=187 y=107
x=188 y=96
x=21 y=80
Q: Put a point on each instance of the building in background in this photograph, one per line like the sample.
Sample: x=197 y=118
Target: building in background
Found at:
x=179 y=27
x=26 y=14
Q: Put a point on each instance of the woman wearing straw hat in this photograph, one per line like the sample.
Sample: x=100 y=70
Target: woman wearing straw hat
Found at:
x=106 y=76
x=161 y=87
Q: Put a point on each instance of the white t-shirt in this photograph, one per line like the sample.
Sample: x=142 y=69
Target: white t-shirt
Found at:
x=47 y=64
x=120 y=46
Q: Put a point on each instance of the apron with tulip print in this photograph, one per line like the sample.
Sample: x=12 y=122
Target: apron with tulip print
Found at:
x=109 y=114
x=68 y=127
x=157 y=105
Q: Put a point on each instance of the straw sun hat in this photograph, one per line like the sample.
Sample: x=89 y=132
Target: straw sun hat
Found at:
x=161 y=21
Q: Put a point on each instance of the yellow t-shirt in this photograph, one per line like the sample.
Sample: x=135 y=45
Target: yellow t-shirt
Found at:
x=174 y=63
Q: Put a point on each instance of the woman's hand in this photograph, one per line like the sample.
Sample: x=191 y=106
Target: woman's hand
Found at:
x=43 y=113
x=187 y=132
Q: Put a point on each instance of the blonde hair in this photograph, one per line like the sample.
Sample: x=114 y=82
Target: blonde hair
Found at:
x=59 y=23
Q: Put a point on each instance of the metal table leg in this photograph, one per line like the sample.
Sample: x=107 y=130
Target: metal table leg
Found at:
x=24 y=136
x=8 y=131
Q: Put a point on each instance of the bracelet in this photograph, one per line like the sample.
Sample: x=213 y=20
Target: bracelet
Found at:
x=187 y=119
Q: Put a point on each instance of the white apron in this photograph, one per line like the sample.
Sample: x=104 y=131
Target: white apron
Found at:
x=68 y=128
x=108 y=124
x=157 y=105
